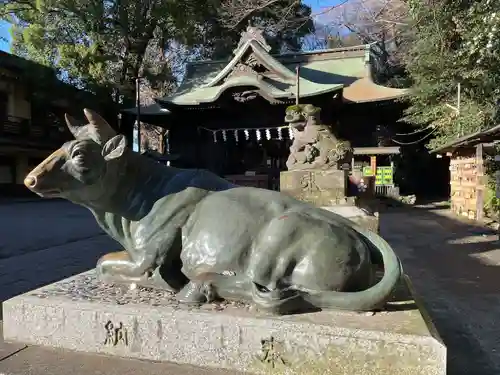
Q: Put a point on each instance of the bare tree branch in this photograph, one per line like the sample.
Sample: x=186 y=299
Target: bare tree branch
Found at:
x=382 y=21
x=234 y=12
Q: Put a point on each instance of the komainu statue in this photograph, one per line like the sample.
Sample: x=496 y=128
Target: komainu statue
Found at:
x=197 y=235
x=314 y=145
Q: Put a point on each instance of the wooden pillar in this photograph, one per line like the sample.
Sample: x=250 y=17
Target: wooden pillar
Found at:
x=480 y=183
x=161 y=141
x=373 y=164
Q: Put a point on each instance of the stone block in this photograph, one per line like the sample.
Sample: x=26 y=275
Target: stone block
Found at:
x=358 y=215
x=82 y=314
x=321 y=188
x=8 y=349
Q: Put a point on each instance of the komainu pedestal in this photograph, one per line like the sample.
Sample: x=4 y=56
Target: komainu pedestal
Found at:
x=315 y=172
x=327 y=189
x=319 y=187
x=316 y=167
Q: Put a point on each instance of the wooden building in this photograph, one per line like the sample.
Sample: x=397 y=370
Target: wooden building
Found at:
x=32 y=106
x=468 y=180
x=228 y=116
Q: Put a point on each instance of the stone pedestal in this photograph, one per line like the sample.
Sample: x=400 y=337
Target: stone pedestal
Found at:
x=81 y=314
x=359 y=216
x=328 y=190
x=321 y=188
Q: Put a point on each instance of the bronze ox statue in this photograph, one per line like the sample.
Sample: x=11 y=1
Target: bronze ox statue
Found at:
x=196 y=234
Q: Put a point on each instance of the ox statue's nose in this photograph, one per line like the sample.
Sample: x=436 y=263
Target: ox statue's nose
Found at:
x=30 y=182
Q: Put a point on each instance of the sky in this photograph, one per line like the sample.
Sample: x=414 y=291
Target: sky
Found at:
x=316 y=5
x=4 y=33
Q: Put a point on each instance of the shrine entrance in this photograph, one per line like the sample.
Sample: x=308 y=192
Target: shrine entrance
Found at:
x=253 y=157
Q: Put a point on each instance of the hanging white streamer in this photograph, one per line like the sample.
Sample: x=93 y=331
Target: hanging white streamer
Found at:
x=258 y=133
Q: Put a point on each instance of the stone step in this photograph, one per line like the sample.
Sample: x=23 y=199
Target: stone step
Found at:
x=358 y=215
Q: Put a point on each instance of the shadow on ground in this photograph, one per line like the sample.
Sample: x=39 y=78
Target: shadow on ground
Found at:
x=454 y=266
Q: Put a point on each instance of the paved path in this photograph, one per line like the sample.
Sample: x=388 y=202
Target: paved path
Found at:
x=454 y=266
x=32 y=226
x=42 y=242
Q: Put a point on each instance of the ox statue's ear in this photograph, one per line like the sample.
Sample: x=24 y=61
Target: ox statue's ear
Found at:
x=114 y=148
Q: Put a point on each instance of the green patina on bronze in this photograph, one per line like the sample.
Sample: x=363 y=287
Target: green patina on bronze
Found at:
x=194 y=233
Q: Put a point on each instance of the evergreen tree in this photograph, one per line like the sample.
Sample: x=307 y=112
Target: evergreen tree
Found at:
x=454 y=42
x=102 y=46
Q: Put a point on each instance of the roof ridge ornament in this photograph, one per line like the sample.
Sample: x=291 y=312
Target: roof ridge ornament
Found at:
x=252 y=33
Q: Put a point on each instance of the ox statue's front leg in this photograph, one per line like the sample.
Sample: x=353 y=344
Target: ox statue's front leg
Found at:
x=119 y=267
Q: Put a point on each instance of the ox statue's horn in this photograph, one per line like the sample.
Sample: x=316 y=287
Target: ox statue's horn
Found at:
x=74 y=127
x=100 y=125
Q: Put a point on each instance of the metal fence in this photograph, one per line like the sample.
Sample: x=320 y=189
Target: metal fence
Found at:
x=389 y=191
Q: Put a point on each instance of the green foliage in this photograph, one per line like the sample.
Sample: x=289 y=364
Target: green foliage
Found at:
x=491 y=202
x=101 y=46
x=454 y=42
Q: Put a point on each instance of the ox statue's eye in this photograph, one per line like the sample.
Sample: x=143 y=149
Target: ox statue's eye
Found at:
x=76 y=153
x=77 y=156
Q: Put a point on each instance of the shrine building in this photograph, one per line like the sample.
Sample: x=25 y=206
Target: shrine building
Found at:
x=228 y=116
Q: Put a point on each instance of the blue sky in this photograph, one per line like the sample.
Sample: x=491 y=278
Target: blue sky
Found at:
x=4 y=33
x=317 y=5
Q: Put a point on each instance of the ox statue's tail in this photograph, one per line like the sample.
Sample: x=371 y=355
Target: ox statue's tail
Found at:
x=366 y=300
x=371 y=298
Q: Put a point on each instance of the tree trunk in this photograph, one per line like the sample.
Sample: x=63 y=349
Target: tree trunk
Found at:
x=161 y=142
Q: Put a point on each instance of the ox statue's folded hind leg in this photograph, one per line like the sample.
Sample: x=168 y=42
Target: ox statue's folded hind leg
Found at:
x=210 y=286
